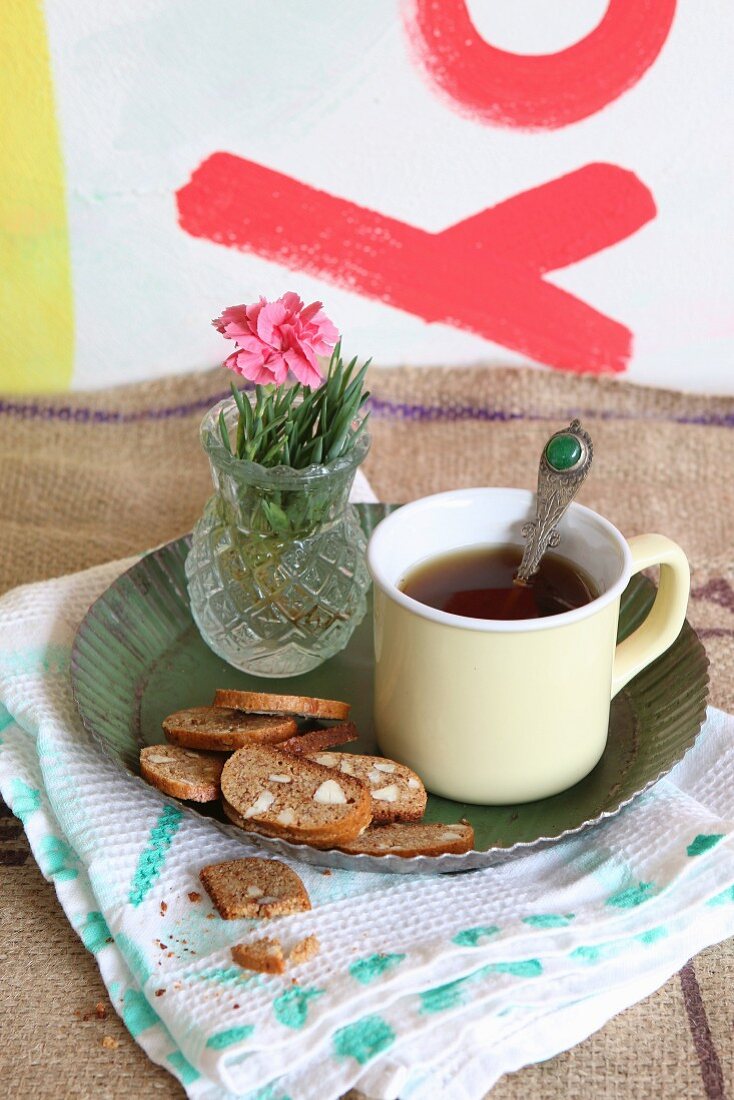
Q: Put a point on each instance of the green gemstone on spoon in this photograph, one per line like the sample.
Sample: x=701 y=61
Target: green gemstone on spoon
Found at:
x=563 y=451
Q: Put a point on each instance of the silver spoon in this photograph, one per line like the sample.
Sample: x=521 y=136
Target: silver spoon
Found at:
x=564 y=466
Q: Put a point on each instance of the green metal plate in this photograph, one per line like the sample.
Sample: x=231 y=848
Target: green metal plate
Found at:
x=138 y=656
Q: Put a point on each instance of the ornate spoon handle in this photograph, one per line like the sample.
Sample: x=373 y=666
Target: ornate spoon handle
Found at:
x=564 y=466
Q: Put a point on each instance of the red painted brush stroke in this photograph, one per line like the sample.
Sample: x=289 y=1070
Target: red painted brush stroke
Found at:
x=483 y=274
x=546 y=91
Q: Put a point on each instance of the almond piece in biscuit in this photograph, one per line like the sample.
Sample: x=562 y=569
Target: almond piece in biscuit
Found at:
x=302 y=706
x=319 y=740
x=265 y=956
x=397 y=793
x=183 y=773
x=222 y=729
x=407 y=840
x=254 y=888
x=315 y=806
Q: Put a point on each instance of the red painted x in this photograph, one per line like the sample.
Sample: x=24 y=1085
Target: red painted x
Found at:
x=485 y=274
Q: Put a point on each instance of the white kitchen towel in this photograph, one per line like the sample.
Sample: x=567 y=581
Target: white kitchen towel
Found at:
x=425 y=986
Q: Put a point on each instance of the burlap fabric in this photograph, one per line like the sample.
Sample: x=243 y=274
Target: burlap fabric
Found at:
x=95 y=476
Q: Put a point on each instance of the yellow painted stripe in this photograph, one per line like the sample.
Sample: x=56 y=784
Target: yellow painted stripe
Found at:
x=36 y=302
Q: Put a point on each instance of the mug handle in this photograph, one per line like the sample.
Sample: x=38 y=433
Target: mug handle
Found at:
x=667 y=614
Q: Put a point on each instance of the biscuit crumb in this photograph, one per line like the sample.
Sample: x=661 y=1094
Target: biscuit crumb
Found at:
x=194 y=896
x=265 y=956
x=109 y=1043
x=304 y=950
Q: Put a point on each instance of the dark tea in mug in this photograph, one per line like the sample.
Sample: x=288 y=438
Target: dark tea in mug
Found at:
x=477 y=582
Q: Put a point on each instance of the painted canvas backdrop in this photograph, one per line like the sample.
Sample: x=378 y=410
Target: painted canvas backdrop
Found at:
x=500 y=182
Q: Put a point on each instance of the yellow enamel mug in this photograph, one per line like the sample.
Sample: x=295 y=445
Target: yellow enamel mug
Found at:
x=496 y=712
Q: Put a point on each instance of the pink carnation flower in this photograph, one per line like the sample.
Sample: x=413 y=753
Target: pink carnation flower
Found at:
x=272 y=338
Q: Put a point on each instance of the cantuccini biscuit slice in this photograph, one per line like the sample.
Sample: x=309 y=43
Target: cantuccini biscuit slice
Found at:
x=265 y=956
x=302 y=706
x=407 y=840
x=317 y=740
x=290 y=796
x=327 y=839
x=183 y=773
x=254 y=888
x=223 y=729
x=397 y=793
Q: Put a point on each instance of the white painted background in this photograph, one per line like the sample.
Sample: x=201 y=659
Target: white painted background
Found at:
x=327 y=92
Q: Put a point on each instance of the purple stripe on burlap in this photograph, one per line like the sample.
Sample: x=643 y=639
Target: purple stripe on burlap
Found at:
x=711 y=1072
x=718 y=590
x=13 y=857
x=397 y=410
x=10 y=830
x=31 y=410
x=380 y=409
